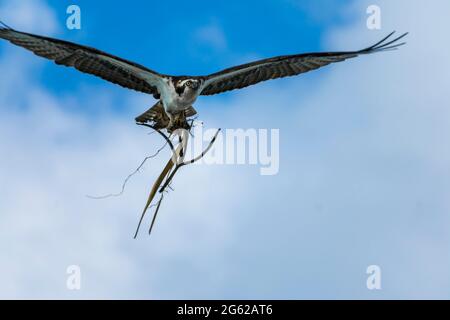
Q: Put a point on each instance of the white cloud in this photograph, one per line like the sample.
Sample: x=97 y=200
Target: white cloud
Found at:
x=29 y=15
x=211 y=35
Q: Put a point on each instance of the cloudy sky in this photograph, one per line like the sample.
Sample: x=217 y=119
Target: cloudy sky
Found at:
x=364 y=157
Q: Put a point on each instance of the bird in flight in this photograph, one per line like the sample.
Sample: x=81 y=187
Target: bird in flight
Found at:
x=177 y=94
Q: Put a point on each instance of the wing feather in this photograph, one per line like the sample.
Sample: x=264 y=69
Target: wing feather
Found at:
x=285 y=66
x=88 y=60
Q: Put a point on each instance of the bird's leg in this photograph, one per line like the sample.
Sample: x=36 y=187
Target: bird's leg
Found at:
x=177 y=121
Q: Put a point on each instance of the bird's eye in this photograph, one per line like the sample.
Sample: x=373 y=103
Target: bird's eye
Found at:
x=189 y=83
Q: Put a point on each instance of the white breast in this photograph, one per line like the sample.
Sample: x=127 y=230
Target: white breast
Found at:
x=173 y=102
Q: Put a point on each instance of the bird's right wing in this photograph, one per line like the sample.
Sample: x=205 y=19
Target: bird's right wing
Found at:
x=88 y=60
x=284 y=66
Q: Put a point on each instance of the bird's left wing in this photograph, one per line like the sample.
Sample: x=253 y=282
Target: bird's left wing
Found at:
x=284 y=66
x=88 y=60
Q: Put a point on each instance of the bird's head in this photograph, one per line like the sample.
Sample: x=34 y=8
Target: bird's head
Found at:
x=191 y=83
x=187 y=85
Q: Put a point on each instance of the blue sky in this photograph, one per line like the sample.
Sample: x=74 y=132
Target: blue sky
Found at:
x=364 y=157
x=190 y=38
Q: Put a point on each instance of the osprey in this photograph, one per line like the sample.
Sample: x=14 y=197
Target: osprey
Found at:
x=177 y=94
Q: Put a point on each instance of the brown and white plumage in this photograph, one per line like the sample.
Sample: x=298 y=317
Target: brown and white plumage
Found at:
x=158 y=117
x=178 y=94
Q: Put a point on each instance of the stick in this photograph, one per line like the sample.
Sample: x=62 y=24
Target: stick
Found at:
x=185 y=163
x=168 y=174
x=155 y=215
x=155 y=187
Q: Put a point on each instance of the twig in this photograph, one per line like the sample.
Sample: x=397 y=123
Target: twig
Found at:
x=140 y=222
x=138 y=169
x=182 y=164
x=168 y=174
x=161 y=133
x=155 y=187
x=156 y=214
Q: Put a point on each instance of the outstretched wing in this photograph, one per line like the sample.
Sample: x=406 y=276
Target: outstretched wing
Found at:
x=88 y=60
x=284 y=66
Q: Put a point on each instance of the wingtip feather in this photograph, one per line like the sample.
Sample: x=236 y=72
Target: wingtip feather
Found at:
x=385 y=45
